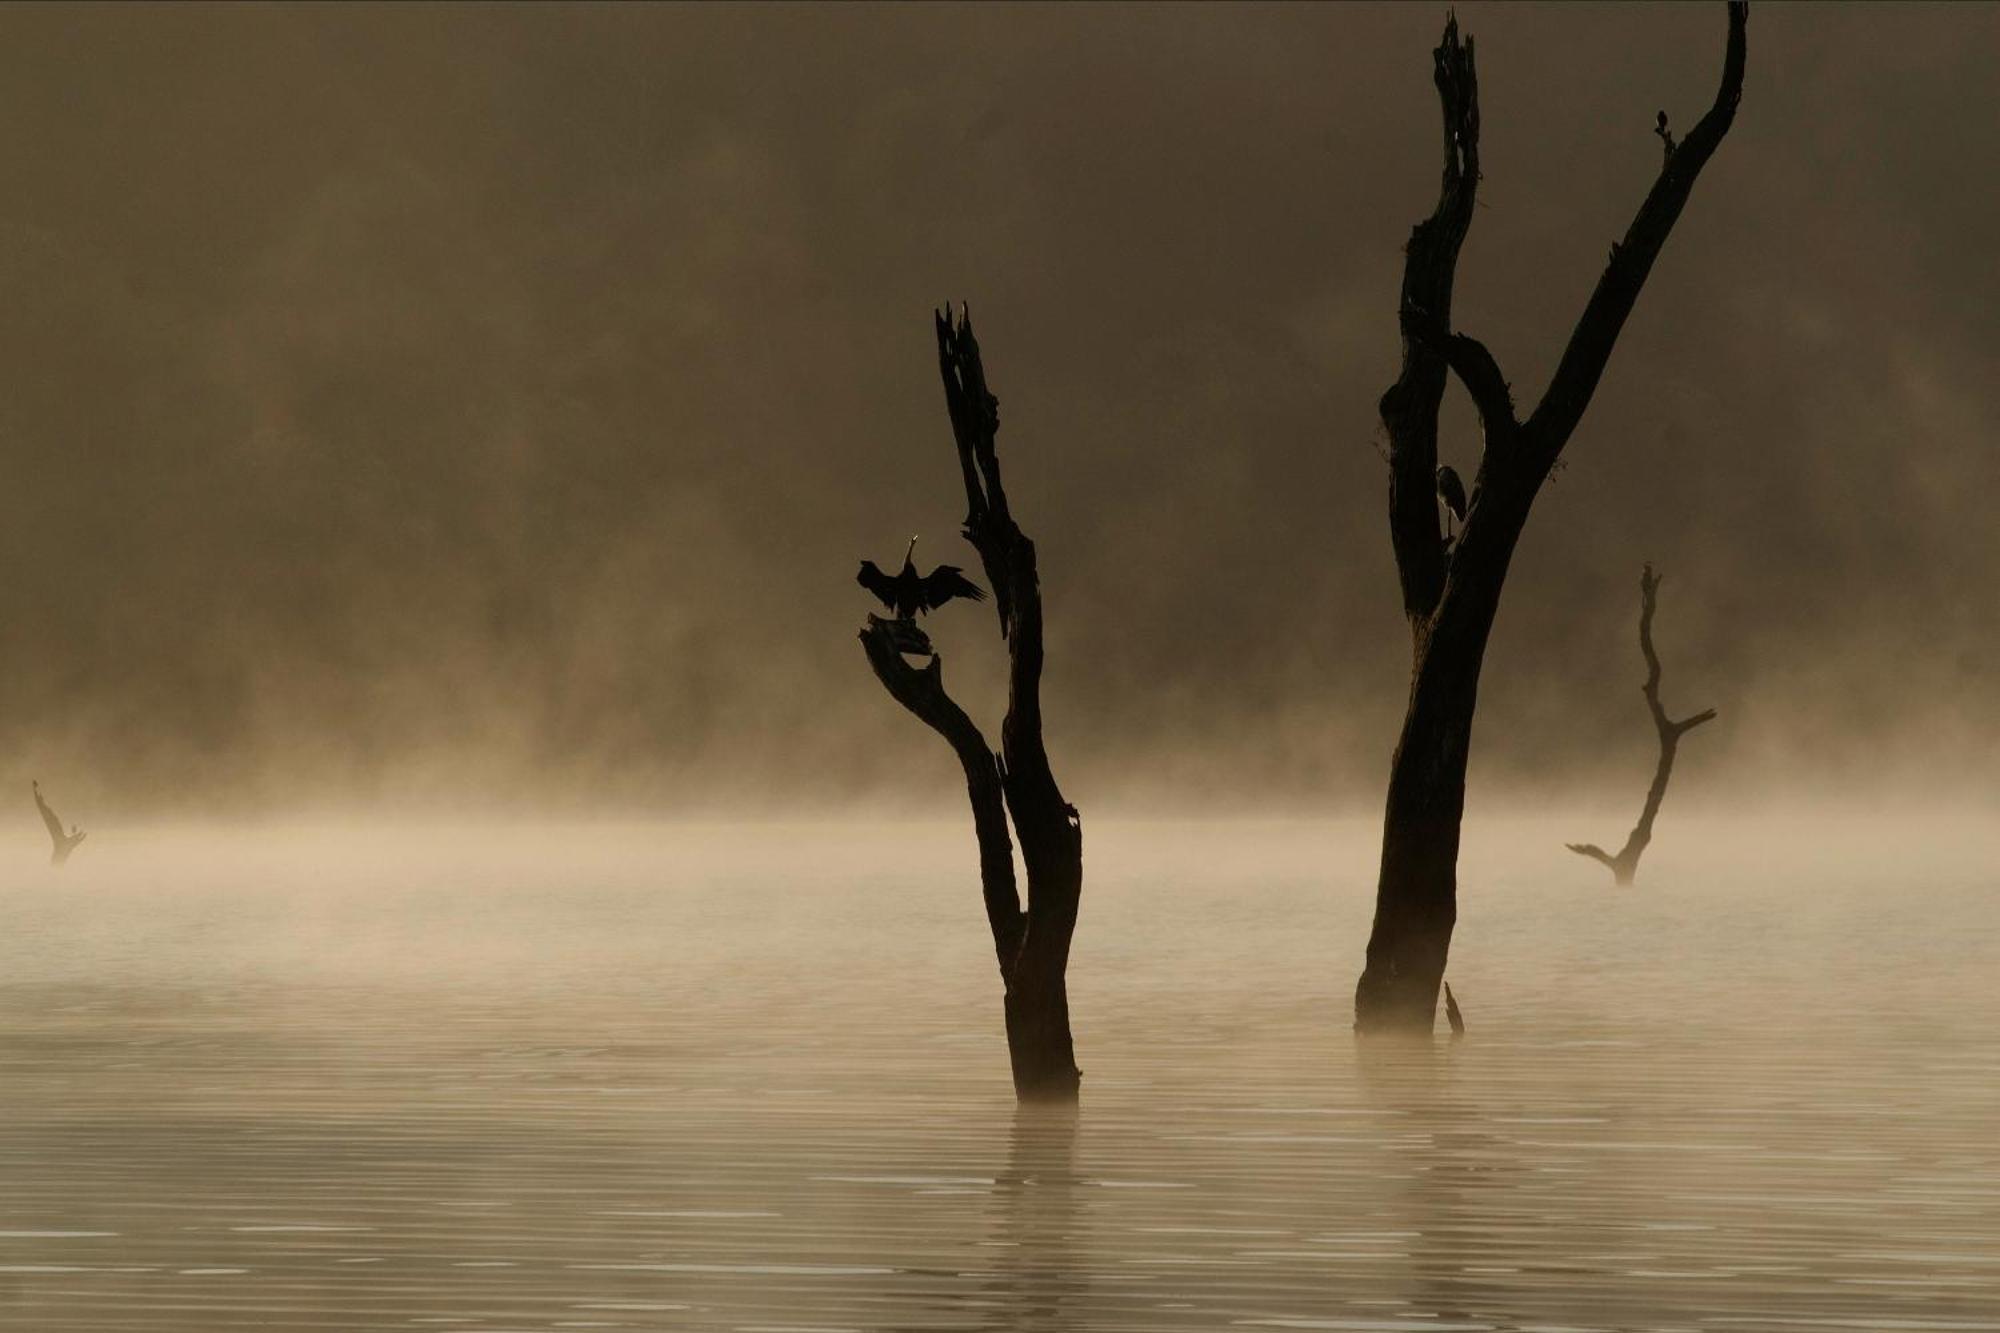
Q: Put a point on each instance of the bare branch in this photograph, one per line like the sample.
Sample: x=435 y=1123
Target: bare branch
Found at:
x=1686 y=725
x=1473 y=363
x=1593 y=851
x=1597 y=330
x=1009 y=559
x=1409 y=408
x=975 y=422
x=919 y=689
x=1625 y=865
x=1649 y=589
x=922 y=692
x=1649 y=594
x=1480 y=374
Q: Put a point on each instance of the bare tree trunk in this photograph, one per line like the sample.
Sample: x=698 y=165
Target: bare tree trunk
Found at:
x=1032 y=944
x=1451 y=590
x=1625 y=865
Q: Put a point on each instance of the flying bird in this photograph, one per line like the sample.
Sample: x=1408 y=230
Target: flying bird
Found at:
x=908 y=592
x=62 y=844
x=1452 y=491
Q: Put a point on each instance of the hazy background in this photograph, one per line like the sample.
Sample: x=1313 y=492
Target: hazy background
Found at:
x=455 y=406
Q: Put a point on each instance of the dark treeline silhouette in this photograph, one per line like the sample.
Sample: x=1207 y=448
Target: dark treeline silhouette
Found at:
x=61 y=843
x=1032 y=942
x=1626 y=863
x=1451 y=589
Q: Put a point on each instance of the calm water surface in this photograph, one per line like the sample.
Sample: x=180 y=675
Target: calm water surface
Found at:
x=751 y=1078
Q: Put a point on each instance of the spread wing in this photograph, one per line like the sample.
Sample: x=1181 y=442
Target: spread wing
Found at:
x=49 y=817
x=872 y=578
x=949 y=581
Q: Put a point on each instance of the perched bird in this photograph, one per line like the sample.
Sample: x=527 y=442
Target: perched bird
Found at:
x=909 y=592
x=1452 y=491
x=62 y=844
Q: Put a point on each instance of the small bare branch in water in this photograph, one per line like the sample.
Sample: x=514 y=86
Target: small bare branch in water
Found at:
x=61 y=844
x=1625 y=865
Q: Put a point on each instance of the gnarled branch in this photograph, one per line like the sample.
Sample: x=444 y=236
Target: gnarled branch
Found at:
x=921 y=691
x=1596 y=332
x=1594 y=852
x=1625 y=865
x=1491 y=395
x=1409 y=408
x=975 y=421
x=1009 y=559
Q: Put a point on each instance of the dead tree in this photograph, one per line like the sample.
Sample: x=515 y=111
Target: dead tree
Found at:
x=1032 y=942
x=61 y=844
x=1451 y=590
x=1626 y=864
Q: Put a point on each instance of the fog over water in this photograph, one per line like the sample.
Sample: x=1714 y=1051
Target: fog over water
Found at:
x=752 y=1077
x=443 y=439
x=461 y=405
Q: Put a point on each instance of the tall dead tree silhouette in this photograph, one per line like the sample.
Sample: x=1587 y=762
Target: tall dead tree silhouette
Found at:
x=1625 y=864
x=1452 y=591
x=1032 y=942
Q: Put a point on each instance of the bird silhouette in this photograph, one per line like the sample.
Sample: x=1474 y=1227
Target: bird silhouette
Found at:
x=1452 y=491
x=62 y=844
x=908 y=592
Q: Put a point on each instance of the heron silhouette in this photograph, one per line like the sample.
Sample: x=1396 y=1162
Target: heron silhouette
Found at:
x=1452 y=491
x=62 y=843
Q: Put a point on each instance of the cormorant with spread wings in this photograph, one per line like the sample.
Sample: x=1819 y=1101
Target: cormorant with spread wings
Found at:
x=908 y=592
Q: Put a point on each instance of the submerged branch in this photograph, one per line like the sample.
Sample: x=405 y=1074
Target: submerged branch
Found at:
x=1625 y=865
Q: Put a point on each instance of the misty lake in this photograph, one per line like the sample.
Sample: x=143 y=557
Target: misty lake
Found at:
x=751 y=1077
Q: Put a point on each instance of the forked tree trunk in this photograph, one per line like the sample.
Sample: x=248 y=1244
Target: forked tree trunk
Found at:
x=1625 y=865
x=1451 y=589
x=1032 y=944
